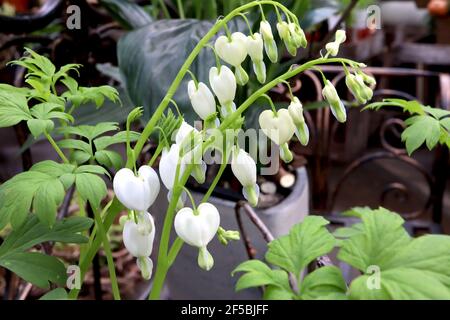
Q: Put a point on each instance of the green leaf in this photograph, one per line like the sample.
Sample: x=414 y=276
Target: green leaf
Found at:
x=55 y=294
x=38 y=127
x=429 y=253
x=383 y=235
x=80 y=157
x=148 y=70
x=91 y=169
x=32 y=233
x=13 y=107
x=257 y=273
x=91 y=132
x=128 y=14
x=47 y=199
x=400 y=284
x=34 y=267
x=323 y=282
x=120 y=137
x=109 y=159
x=41 y=186
x=91 y=188
x=405 y=268
x=421 y=129
x=76 y=145
x=305 y=242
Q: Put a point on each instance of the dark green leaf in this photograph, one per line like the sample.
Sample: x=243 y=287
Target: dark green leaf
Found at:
x=305 y=242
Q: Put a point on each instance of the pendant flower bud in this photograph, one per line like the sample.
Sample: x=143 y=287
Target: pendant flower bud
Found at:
x=197 y=228
x=337 y=106
x=283 y=30
x=202 y=99
x=285 y=35
x=136 y=193
x=298 y=35
x=255 y=48
x=225 y=236
x=333 y=47
x=270 y=45
x=355 y=88
x=223 y=84
x=145 y=264
x=368 y=79
x=296 y=112
x=244 y=169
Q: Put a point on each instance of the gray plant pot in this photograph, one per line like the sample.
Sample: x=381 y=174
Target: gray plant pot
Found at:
x=187 y=281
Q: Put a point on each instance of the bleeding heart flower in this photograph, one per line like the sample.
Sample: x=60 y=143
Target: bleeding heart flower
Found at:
x=202 y=99
x=233 y=51
x=244 y=169
x=277 y=126
x=168 y=165
x=138 y=237
x=136 y=193
x=197 y=228
x=223 y=84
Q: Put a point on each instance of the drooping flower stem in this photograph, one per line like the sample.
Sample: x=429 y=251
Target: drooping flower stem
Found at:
x=107 y=249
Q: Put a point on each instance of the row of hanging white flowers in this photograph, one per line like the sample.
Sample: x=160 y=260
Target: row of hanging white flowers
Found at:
x=198 y=224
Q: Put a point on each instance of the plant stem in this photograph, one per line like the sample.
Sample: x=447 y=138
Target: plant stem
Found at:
x=107 y=249
x=174 y=250
x=55 y=146
x=247 y=103
x=180 y=9
x=164 y=9
x=86 y=261
x=163 y=264
x=213 y=185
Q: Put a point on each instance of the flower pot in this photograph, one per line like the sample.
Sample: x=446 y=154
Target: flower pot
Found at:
x=187 y=281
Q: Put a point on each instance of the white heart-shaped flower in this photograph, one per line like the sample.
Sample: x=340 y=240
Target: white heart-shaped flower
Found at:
x=202 y=99
x=232 y=51
x=168 y=166
x=136 y=193
x=138 y=237
x=278 y=127
x=223 y=84
x=197 y=230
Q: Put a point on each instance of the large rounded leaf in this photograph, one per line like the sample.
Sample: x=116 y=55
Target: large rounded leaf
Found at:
x=150 y=58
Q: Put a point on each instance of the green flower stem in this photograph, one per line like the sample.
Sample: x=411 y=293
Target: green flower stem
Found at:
x=163 y=265
x=156 y=154
x=213 y=185
x=107 y=249
x=176 y=83
x=180 y=9
x=247 y=103
x=115 y=208
x=55 y=146
x=173 y=252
